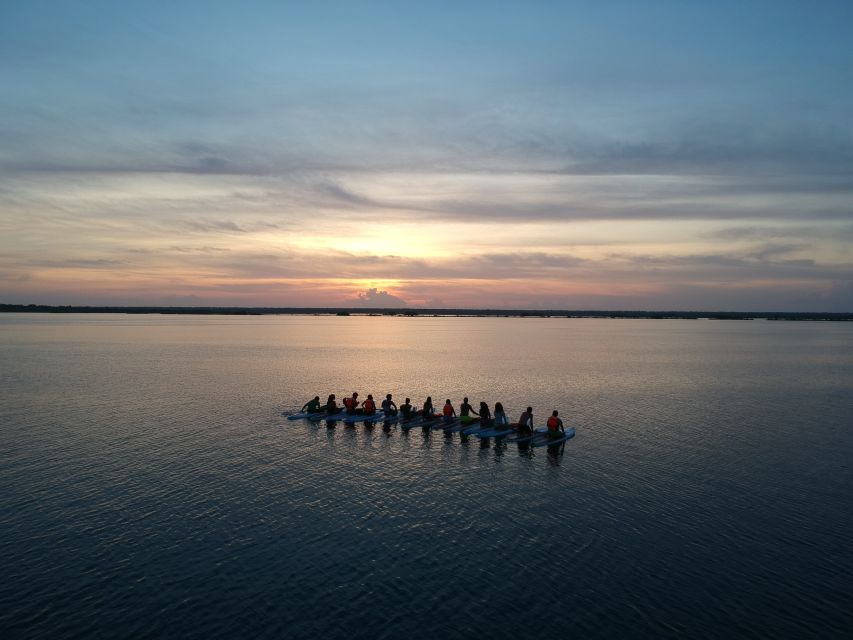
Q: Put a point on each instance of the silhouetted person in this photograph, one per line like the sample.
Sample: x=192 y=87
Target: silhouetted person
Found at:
x=369 y=405
x=555 y=426
x=351 y=404
x=331 y=405
x=428 y=409
x=312 y=406
x=525 y=422
x=485 y=416
x=406 y=409
x=448 y=411
x=500 y=416
x=465 y=409
x=389 y=407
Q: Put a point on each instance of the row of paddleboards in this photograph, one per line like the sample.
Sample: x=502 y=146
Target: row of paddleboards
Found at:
x=539 y=437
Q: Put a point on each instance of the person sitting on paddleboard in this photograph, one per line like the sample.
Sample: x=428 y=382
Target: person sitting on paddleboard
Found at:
x=428 y=410
x=331 y=405
x=448 y=411
x=465 y=409
x=555 y=426
x=351 y=404
x=485 y=416
x=500 y=416
x=369 y=406
x=406 y=409
x=525 y=422
x=312 y=406
x=389 y=407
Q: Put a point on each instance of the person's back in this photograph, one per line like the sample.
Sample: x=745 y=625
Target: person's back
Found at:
x=351 y=404
x=555 y=425
x=500 y=415
x=428 y=410
x=466 y=409
x=525 y=422
x=389 y=407
x=406 y=409
x=331 y=405
x=485 y=415
x=312 y=406
x=369 y=405
x=448 y=411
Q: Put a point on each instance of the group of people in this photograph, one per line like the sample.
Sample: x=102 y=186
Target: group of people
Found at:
x=467 y=413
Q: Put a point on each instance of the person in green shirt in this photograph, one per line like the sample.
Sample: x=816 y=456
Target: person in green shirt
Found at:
x=312 y=406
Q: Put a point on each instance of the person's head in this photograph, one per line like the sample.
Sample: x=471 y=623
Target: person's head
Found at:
x=447 y=401
x=465 y=400
x=483 y=405
x=388 y=396
x=555 y=413
x=331 y=396
x=355 y=394
x=429 y=399
x=316 y=397
x=499 y=406
x=407 y=401
x=529 y=409
x=370 y=396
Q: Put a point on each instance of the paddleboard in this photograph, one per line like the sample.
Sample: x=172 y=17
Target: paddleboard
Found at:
x=352 y=418
x=547 y=442
x=335 y=416
x=494 y=433
x=443 y=425
x=316 y=415
x=522 y=438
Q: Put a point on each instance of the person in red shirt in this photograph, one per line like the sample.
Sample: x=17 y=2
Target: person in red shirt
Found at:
x=448 y=411
x=555 y=425
x=351 y=404
x=369 y=405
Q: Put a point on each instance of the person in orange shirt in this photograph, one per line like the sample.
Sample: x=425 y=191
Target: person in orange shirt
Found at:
x=448 y=411
x=369 y=405
x=351 y=404
x=555 y=425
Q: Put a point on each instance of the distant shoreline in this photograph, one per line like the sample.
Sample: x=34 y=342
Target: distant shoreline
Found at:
x=408 y=312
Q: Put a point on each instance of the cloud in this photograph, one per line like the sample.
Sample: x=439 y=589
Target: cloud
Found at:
x=376 y=299
x=830 y=232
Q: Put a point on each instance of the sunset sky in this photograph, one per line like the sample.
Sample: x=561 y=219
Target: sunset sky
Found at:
x=564 y=155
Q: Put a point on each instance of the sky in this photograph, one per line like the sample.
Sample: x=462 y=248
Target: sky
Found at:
x=542 y=155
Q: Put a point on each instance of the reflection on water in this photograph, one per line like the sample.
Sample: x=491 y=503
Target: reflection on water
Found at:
x=150 y=486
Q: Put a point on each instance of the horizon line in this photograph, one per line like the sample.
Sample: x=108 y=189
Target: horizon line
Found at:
x=434 y=311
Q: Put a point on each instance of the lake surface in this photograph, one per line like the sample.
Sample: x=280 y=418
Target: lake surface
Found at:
x=150 y=486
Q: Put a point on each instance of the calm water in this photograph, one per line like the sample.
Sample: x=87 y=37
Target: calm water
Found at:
x=150 y=487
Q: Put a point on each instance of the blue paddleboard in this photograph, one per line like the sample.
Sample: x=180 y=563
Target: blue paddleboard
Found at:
x=547 y=442
x=306 y=414
x=494 y=433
